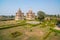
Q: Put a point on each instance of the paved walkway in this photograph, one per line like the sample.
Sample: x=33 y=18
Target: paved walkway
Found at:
x=57 y=28
x=33 y=22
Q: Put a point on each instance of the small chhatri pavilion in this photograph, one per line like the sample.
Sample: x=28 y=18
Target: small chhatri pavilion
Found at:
x=19 y=15
x=30 y=15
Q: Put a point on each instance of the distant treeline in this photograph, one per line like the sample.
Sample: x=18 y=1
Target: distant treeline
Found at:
x=12 y=17
x=58 y=16
x=5 y=18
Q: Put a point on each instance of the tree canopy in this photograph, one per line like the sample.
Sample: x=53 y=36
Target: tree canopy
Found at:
x=41 y=15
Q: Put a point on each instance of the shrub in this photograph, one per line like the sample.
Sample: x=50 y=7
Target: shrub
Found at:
x=16 y=34
x=30 y=30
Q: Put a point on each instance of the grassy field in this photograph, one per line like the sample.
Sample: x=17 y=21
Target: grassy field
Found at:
x=20 y=30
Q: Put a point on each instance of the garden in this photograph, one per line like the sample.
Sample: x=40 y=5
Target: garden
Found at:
x=24 y=30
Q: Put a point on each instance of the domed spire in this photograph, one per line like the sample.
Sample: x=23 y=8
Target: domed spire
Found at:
x=19 y=10
x=30 y=10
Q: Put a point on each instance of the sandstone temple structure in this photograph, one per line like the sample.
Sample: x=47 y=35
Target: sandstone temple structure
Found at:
x=29 y=15
x=19 y=15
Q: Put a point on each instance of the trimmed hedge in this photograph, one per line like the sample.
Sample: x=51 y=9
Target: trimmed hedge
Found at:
x=12 y=25
x=54 y=30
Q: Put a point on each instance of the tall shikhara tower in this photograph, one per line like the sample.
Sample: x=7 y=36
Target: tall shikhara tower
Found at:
x=19 y=15
x=30 y=15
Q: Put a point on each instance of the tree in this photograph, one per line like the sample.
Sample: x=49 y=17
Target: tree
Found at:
x=41 y=15
x=58 y=16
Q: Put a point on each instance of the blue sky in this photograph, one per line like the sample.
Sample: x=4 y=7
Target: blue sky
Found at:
x=10 y=7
